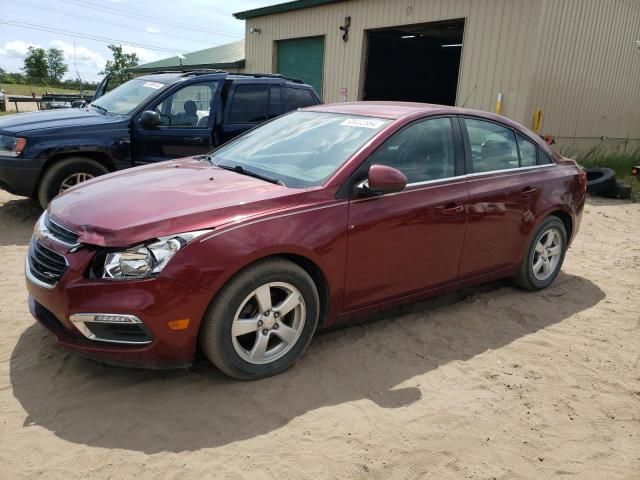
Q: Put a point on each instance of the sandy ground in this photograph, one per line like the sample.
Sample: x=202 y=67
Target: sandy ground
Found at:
x=500 y=384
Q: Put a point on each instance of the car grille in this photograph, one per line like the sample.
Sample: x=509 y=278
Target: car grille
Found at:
x=45 y=265
x=60 y=233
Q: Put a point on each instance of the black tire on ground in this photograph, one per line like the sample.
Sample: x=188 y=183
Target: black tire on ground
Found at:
x=525 y=277
x=600 y=179
x=620 y=190
x=55 y=175
x=216 y=338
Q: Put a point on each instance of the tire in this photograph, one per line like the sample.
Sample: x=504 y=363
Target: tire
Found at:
x=620 y=190
x=600 y=179
x=54 y=177
x=236 y=353
x=529 y=276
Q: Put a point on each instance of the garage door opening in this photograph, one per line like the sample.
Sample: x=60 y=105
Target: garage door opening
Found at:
x=414 y=63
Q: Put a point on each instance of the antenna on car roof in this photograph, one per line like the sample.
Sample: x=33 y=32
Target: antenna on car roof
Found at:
x=472 y=90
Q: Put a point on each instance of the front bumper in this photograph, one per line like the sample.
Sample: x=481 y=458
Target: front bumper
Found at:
x=155 y=302
x=18 y=175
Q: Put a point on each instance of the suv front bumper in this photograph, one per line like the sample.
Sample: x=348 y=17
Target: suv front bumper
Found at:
x=19 y=176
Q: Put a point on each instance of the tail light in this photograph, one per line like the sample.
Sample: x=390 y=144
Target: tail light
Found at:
x=634 y=171
x=583 y=179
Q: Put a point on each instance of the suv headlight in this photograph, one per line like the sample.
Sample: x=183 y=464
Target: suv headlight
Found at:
x=142 y=261
x=12 y=146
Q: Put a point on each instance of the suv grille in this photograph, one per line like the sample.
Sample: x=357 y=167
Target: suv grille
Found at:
x=45 y=265
x=60 y=233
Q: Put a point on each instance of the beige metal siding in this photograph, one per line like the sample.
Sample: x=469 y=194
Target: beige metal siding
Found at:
x=497 y=55
x=588 y=77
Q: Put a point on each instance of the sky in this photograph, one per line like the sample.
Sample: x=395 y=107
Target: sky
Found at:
x=152 y=29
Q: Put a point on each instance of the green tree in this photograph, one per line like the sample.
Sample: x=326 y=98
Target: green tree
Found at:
x=117 y=67
x=35 y=64
x=56 y=66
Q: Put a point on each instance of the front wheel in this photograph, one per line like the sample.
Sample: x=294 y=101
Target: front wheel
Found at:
x=543 y=259
x=261 y=321
x=67 y=173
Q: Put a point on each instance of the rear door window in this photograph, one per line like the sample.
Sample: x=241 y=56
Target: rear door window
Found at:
x=544 y=159
x=275 y=101
x=528 y=152
x=493 y=147
x=249 y=103
x=299 y=98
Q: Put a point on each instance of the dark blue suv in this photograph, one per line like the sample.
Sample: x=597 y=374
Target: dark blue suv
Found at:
x=148 y=119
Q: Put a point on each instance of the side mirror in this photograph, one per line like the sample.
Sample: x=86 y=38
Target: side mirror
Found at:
x=383 y=179
x=150 y=119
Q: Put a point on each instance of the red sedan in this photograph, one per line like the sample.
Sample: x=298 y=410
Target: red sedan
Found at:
x=313 y=218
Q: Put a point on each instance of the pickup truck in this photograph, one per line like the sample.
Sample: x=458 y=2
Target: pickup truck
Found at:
x=145 y=120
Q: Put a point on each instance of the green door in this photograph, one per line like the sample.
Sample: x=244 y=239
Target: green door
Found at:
x=302 y=58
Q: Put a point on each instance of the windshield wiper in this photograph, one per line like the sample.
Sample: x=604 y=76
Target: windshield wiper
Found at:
x=102 y=109
x=243 y=171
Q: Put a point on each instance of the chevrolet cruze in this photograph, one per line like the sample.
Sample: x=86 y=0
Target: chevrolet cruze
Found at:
x=314 y=218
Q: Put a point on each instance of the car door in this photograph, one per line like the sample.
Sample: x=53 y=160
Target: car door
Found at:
x=248 y=105
x=504 y=184
x=187 y=115
x=101 y=89
x=409 y=241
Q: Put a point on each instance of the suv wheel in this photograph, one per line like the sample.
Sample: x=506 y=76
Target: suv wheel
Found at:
x=65 y=174
x=261 y=321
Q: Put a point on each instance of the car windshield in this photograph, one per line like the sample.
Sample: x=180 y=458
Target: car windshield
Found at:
x=301 y=149
x=127 y=97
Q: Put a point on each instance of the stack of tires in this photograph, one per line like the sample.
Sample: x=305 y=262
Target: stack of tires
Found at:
x=602 y=181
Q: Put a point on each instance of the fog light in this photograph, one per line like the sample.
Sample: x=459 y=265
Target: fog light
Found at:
x=104 y=318
x=181 y=324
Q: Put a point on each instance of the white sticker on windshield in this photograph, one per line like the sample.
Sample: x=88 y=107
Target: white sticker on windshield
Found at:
x=154 y=85
x=363 y=123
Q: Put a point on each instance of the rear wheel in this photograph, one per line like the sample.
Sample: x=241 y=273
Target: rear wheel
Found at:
x=65 y=174
x=543 y=260
x=261 y=321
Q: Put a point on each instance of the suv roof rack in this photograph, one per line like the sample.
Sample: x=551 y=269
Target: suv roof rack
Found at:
x=268 y=75
x=186 y=72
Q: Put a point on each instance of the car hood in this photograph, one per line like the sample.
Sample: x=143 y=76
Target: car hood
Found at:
x=138 y=204
x=60 y=118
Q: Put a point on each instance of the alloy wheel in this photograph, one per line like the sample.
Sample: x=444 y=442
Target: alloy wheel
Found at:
x=268 y=323
x=73 y=180
x=546 y=256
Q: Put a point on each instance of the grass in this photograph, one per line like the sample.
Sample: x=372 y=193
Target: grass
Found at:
x=620 y=162
x=16 y=89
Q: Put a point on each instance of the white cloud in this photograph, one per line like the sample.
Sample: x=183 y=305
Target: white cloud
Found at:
x=152 y=30
x=83 y=55
x=16 y=48
x=144 y=55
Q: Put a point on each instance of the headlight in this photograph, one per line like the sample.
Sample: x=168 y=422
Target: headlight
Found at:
x=12 y=146
x=142 y=261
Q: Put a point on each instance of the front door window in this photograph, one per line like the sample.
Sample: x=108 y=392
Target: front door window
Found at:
x=189 y=107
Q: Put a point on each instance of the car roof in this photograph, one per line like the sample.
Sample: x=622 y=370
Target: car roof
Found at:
x=399 y=110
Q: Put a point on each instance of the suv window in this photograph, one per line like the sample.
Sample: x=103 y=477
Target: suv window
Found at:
x=249 y=103
x=189 y=107
x=275 y=101
x=528 y=152
x=299 y=98
x=493 y=147
x=422 y=151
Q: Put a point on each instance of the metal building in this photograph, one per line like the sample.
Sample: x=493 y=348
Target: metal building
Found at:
x=570 y=68
x=229 y=57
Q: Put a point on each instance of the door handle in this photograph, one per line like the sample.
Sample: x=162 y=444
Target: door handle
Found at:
x=452 y=210
x=527 y=191
x=194 y=140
